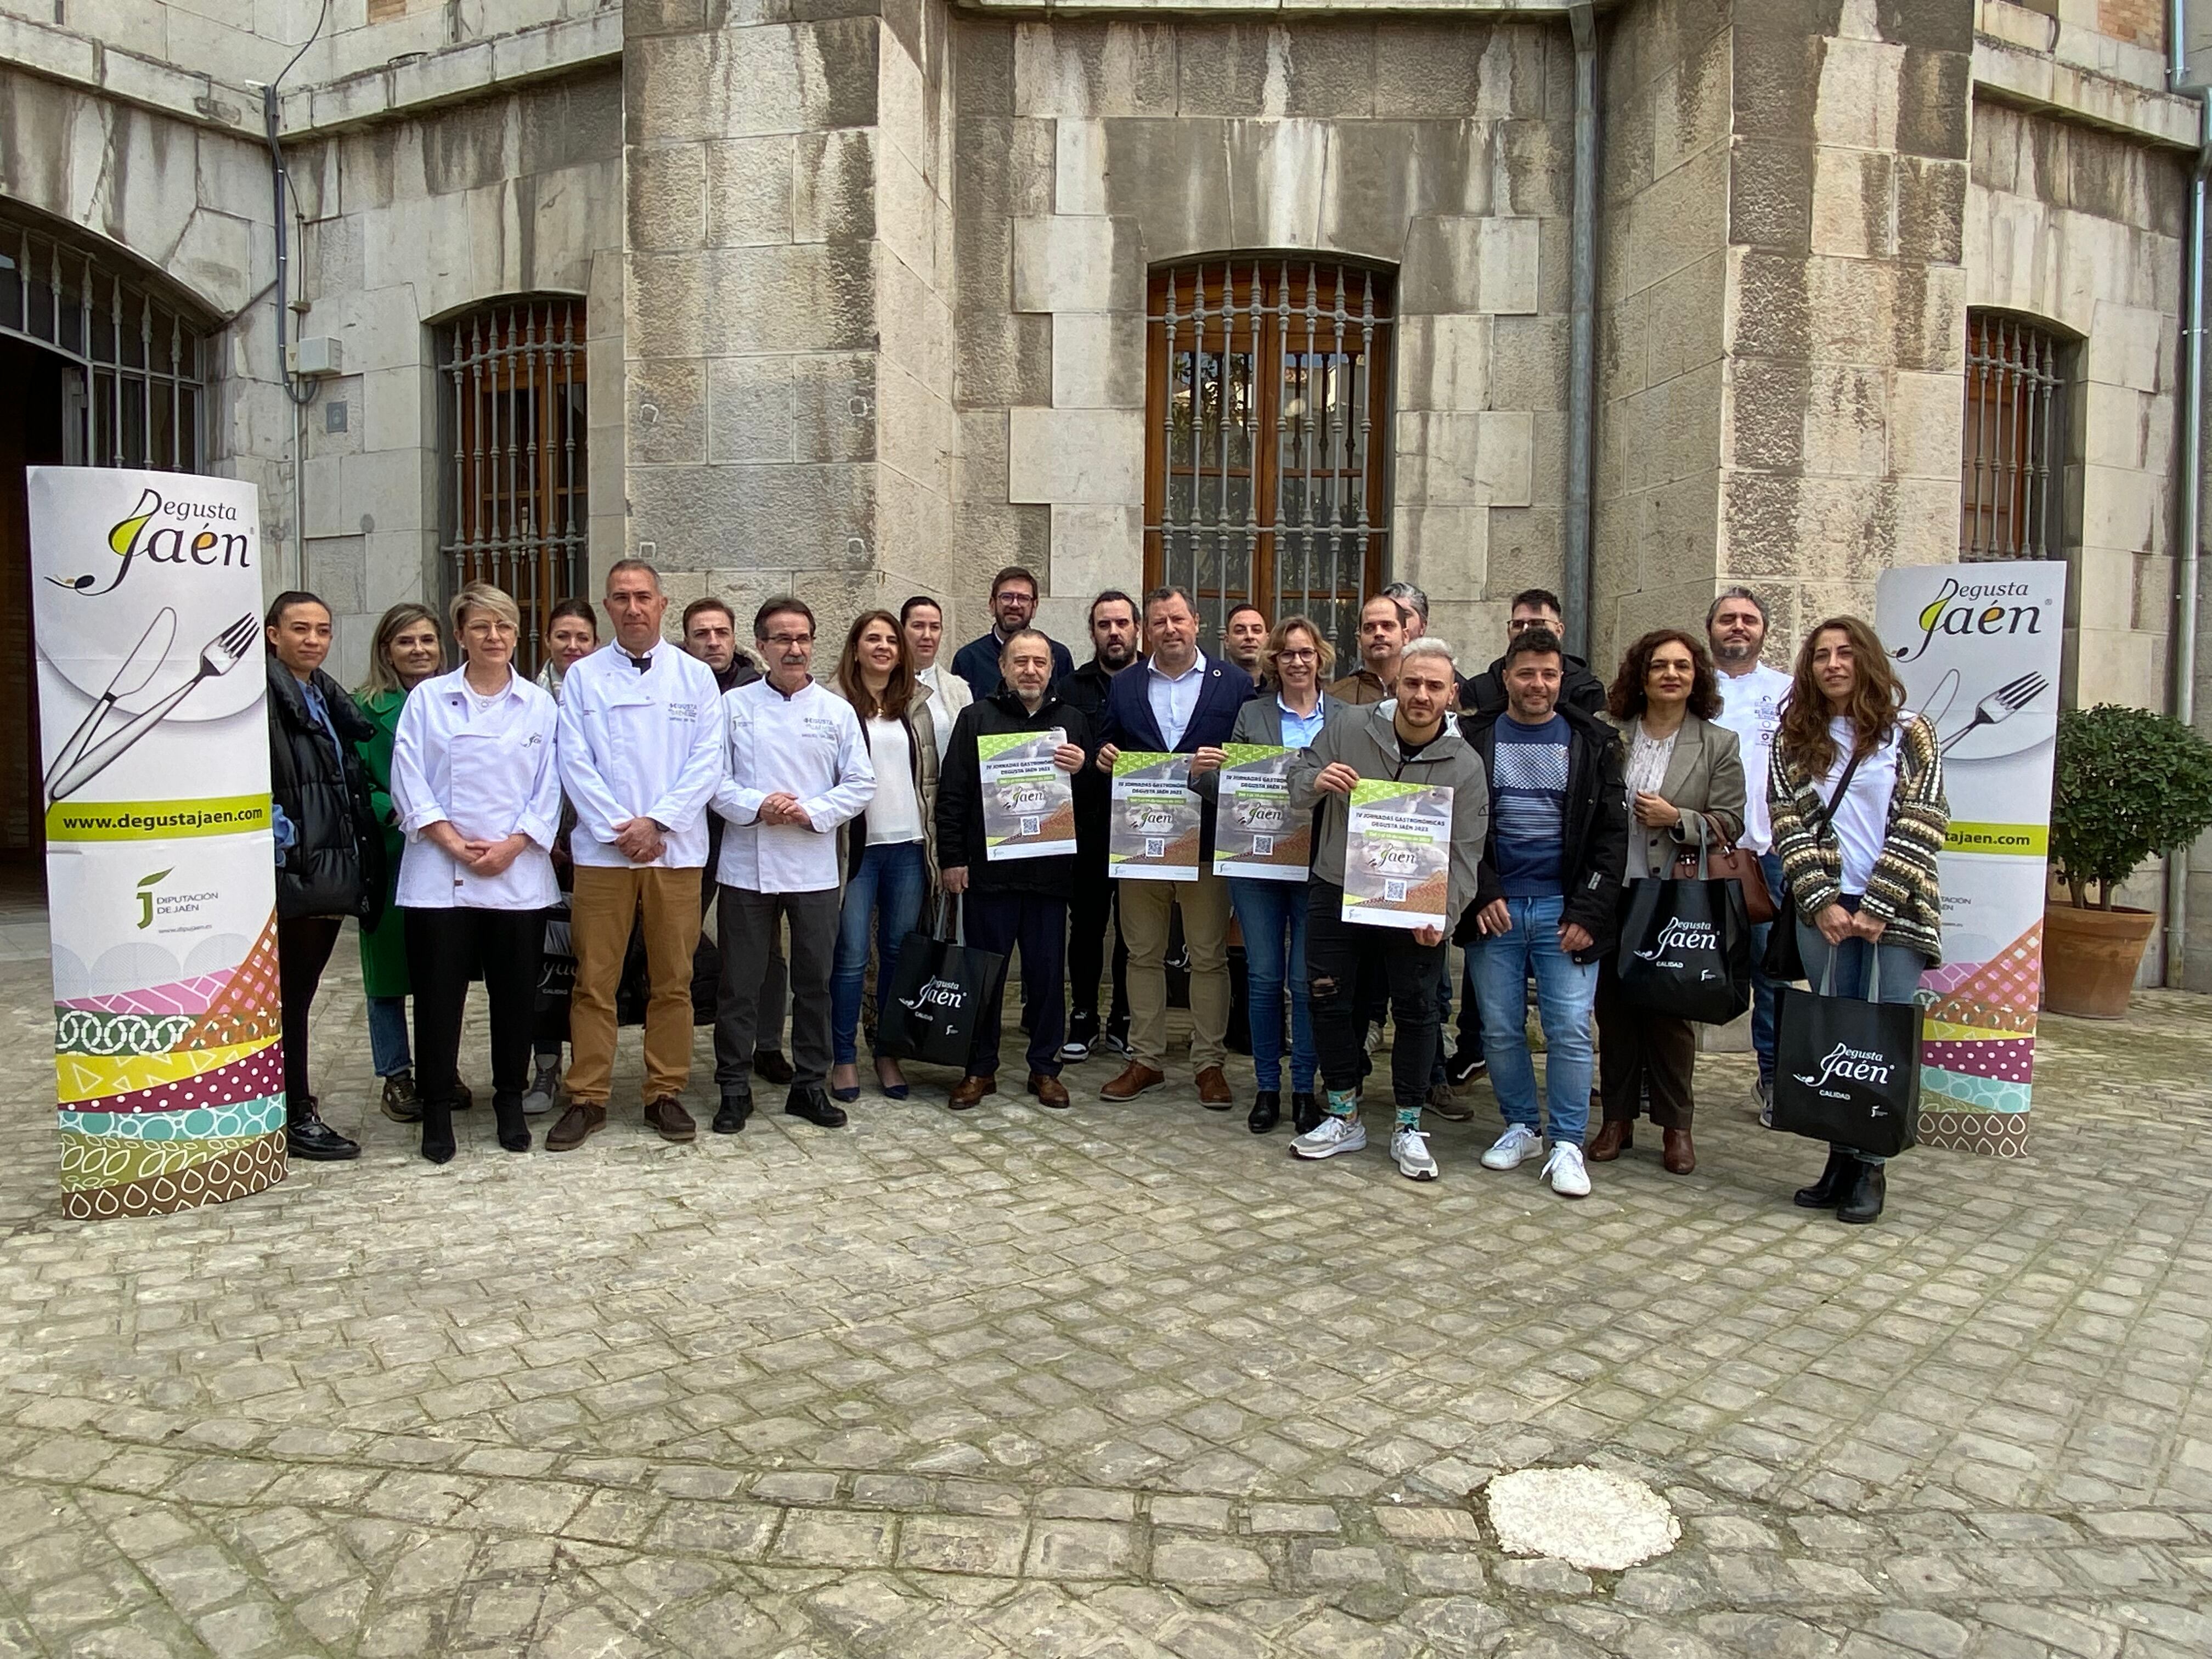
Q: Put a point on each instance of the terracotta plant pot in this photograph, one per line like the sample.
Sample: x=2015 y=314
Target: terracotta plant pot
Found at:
x=2090 y=959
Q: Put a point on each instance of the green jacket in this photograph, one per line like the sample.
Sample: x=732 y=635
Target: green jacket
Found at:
x=384 y=947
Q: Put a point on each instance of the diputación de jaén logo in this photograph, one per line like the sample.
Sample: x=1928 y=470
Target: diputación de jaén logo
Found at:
x=130 y=540
x=1974 y=608
x=146 y=886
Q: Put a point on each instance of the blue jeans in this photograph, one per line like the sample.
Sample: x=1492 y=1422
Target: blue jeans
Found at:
x=1565 y=991
x=887 y=889
x=387 y=1036
x=1900 y=967
x=1763 y=989
x=1272 y=915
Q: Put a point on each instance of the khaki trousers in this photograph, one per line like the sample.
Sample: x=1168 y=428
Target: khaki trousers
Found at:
x=1146 y=907
x=600 y=910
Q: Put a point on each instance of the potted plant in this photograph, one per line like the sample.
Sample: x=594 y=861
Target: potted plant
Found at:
x=2129 y=784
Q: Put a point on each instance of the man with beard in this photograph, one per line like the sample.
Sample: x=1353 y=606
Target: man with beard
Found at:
x=1382 y=622
x=1114 y=642
x=1013 y=602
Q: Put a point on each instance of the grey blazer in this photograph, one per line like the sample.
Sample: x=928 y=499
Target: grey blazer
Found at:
x=1704 y=777
x=1260 y=721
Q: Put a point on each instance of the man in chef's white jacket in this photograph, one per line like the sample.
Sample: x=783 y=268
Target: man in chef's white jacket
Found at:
x=795 y=767
x=640 y=755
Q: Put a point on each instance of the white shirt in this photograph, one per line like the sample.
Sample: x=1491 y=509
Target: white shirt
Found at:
x=639 y=746
x=1862 y=818
x=948 y=694
x=894 y=815
x=808 y=745
x=1751 y=706
x=488 y=768
x=1174 y=697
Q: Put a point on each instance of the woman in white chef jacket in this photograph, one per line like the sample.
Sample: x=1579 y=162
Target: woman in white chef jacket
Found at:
x=477 y=795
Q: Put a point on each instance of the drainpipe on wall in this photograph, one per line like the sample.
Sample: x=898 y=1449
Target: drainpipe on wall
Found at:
x=1581 y=348
x=2193 y=466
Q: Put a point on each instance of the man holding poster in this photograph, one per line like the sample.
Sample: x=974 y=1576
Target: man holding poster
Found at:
x=1422 y=763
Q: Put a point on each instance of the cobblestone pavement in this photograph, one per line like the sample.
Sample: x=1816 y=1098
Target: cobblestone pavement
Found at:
x=1113 y=1382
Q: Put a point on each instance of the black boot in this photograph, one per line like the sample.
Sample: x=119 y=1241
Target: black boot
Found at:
x=308 y=1138
x=1828 y=1191
x=809 y=1102
x=737 y=1107
x=514 y=1128
x=1305 y=1112
x=438 y=1131
x=1864 y=1192
x=1266 y=1111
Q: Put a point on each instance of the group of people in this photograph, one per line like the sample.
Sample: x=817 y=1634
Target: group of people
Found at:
x=636 y=786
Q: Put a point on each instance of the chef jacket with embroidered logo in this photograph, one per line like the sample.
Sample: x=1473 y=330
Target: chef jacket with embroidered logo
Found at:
x=639 y=746
x=489 y=772
x=807 y=745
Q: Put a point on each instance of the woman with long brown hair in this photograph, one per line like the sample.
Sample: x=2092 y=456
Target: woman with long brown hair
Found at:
x=887 y=867
x=1856 y=790
x=1685 y=790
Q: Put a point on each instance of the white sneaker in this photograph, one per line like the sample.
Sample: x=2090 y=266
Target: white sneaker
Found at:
x=1411 y=1148
x=1763 y=1093
x=1374 y=1039
x=1331 y=1135
x=544 y=1088
x=1564 y=1170
x=1518 y=1142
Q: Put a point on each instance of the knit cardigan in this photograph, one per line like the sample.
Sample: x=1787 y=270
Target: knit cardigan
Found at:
x=1905 y=889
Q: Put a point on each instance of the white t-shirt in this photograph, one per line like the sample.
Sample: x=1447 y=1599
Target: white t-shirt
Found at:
x=1862 y=817
x=895 y=814
x=1751 y=706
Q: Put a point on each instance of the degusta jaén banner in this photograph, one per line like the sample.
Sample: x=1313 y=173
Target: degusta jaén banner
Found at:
x=1977 y=647
x=159 y=876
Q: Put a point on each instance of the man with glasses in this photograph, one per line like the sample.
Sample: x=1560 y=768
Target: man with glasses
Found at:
x=1535 y=607
x=1013 y=603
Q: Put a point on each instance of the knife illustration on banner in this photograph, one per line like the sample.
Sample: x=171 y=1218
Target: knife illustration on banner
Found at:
x=221 y=655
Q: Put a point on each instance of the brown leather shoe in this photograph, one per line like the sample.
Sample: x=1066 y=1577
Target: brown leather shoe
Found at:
x=1445 y=1104
x=1614 y=1137
x=665 y=1113
x=1675 y=1153
x=1049 y=1090
x=969 y=1090
x=578 y=1124
x=1136 y=1077
x=1213 y=1090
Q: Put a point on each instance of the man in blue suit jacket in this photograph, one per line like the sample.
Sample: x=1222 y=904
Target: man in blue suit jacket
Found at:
x=1176 y=701
x=1013 y=603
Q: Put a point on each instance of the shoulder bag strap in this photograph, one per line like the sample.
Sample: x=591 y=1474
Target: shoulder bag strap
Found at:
x=1843 y=788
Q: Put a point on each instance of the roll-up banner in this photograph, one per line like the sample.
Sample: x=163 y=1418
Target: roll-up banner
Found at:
x=1978 y=647
x=160 y=879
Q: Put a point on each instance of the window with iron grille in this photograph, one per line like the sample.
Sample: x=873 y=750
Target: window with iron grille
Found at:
x=1268 y=388
x=2012 y=486
x=512 y=422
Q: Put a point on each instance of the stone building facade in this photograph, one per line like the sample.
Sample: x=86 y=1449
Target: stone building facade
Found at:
x=868 y=297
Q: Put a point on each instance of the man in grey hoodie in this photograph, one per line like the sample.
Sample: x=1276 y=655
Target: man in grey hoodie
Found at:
x=1406 y=741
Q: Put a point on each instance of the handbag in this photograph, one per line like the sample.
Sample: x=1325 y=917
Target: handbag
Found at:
x=1685 y=948
x=1784 y=963
x=938 y=993
x=1739 y=865
x=1846 y=1070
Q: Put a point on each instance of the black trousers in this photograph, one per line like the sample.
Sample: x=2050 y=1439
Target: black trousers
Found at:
x=746 y=930
x=1000 y=922
x=442 y=947
x=1337 y=952
x=1090 y=914
x=303 y=951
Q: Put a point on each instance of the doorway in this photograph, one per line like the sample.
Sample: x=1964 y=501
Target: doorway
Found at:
x=31 y=434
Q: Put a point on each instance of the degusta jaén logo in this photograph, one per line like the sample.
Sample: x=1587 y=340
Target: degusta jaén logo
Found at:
x=1974 y=608
x=146 y=886
x=187 y=540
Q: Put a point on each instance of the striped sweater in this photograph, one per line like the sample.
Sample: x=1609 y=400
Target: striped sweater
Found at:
x=1905 y=889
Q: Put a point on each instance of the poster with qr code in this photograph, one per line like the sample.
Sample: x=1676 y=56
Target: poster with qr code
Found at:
x=1255 y=831
x=1029 y=806
x=1153 y=831
x=1397 y=854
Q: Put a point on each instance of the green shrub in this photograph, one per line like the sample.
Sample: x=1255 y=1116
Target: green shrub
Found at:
x=2129 y=784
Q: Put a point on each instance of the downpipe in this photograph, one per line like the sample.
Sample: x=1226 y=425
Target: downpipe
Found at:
x=2184 y=654
x=1581 y=344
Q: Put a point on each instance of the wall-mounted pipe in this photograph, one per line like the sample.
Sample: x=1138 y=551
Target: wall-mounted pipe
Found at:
x=2186 y=572
x=1575 y=584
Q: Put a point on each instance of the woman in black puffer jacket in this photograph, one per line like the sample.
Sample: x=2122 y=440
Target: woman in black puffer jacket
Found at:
x=330 y=852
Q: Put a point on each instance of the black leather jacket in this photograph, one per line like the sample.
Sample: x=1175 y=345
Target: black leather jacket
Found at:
x=335 y=865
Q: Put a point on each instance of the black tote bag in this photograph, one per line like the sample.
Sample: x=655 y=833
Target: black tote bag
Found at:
x=1845 y=1071
x=1686 y=947
x=941 y=990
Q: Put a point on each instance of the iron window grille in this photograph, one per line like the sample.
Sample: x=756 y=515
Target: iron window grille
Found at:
x=139 y=396
x=516 y=512
x=1268 y=383
x=2012 y=491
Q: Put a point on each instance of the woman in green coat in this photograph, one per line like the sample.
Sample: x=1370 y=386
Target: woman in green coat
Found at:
x=407 y=650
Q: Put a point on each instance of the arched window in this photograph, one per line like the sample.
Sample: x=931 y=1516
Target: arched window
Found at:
x=513 y=431
x=2012 y=486
x=1267 y=395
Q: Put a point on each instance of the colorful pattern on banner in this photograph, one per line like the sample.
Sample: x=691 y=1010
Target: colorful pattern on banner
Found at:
x=1977 y=647
x=168 y=1063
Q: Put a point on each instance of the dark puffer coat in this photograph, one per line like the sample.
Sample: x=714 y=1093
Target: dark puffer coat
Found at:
x=335 y=866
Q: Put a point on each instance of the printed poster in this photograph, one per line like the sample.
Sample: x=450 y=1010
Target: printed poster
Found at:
x=1255 y=833
x=160 y=861
x=1397 y=854
x=1154 y=828
x=1977 y=647
x=1028 y=804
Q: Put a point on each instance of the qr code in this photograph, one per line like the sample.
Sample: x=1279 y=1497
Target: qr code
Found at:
x=1263 y=846
x=1393 y=892
x=1031 y=823
x=1156 y=847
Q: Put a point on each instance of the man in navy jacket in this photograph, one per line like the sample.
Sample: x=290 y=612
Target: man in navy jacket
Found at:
x=1013 y=603
x=1176 y=701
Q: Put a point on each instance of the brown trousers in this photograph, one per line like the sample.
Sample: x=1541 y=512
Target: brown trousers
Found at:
x=1146 y=910
x=601 y=911
x=1640 y=1053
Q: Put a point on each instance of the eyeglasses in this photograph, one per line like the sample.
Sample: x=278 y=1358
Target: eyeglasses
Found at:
x=1295 y=656
x=785 y=641
x=1523 y=624
x=1020 y=594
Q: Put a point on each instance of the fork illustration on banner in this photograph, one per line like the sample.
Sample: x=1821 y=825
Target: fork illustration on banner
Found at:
x=221 y=653
x=2000 y=704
